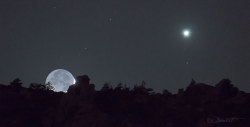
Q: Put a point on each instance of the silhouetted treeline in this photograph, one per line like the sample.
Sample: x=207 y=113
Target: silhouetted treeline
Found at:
x=198 y=105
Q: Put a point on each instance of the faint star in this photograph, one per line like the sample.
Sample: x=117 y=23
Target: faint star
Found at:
x=110 y=19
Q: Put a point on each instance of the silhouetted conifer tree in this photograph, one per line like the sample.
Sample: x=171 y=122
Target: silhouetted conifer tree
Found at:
x=118 y=88
x=47 y=86
x=141 y=89
x=106 y=87
x=16 y=83
x=166 y=93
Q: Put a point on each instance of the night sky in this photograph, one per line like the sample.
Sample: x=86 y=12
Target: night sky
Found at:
x=127 y=41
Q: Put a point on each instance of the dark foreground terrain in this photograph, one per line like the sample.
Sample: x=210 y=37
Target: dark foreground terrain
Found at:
x=199 y=105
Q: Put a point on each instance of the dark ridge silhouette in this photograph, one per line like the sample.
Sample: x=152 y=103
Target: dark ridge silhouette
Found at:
x=199 y=105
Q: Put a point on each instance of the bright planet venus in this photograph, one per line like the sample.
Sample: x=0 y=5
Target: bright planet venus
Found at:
x=186 y=33
x=60 y=79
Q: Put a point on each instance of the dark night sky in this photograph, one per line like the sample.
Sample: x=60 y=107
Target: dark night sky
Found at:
x=127 y=41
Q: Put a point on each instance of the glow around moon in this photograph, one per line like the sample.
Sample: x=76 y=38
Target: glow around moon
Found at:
x=186 y=33
x=60 y=79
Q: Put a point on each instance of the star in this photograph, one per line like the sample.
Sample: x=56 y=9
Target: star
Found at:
x=110 y=19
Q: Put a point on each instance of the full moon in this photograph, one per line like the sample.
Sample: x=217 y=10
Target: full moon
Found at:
x=60 y=79
x=186 y=33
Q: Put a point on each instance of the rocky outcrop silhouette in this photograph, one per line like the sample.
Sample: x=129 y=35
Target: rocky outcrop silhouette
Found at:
x=198 y=105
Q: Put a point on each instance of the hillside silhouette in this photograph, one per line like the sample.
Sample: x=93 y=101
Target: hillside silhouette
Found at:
x=198 y=105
